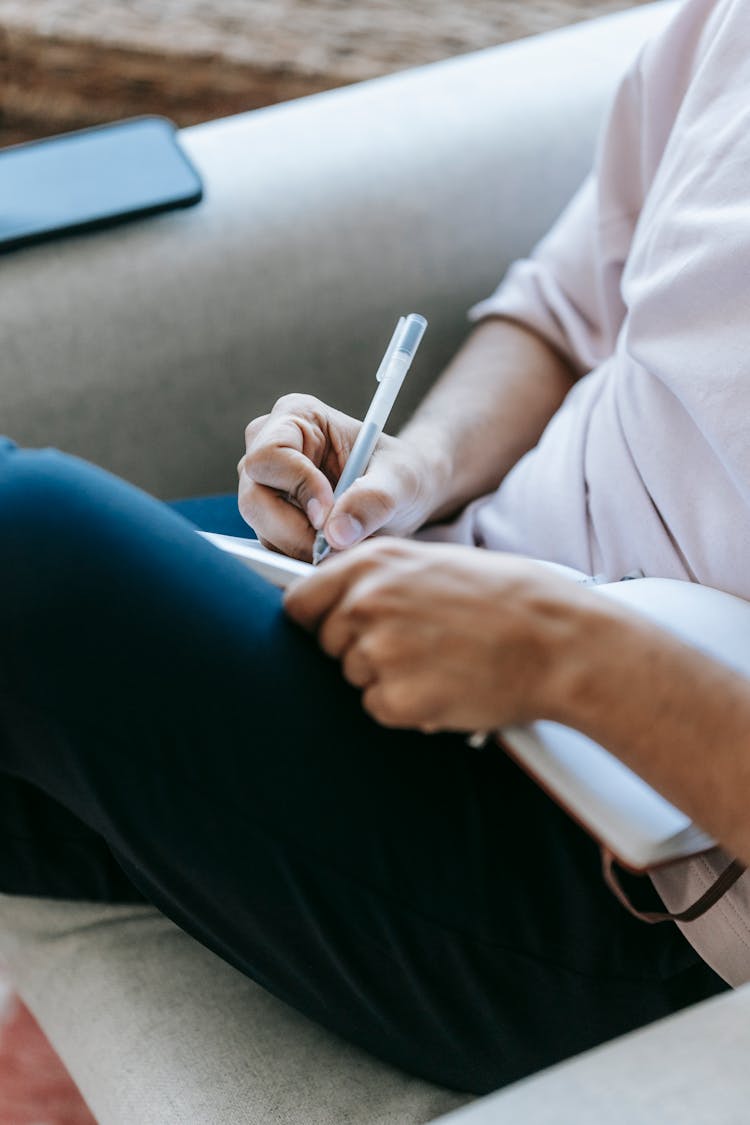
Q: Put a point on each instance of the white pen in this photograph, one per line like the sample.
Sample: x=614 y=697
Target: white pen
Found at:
x=391 y=374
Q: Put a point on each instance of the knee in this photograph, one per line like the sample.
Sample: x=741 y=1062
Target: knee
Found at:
x=39 y=494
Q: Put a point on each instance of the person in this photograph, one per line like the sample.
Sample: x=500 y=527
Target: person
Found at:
x=290 y=782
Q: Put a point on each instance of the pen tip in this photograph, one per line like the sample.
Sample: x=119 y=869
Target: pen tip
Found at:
x=320 y=549
x=317 y=549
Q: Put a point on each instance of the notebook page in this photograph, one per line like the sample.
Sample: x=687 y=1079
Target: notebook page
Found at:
x=277 y=569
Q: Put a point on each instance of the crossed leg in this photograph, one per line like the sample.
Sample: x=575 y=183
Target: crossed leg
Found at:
x=166 y=733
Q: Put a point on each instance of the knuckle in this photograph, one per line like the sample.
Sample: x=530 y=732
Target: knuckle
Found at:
x=280 y=545
x=382 y=548
x=366 y=557
x=332 y=635
x=376 y=705
x=252 y=460
x=375 y=501
x=252 y=429
x=378 y=648
x=363 y=603
x=356 y=668
x=297 y=403
x=327 y=639
x=299 y=493
x=370 y=596
x=267 y=461
x=246 y=495
x=299 y=548
x=253 y=508
x=392 y=705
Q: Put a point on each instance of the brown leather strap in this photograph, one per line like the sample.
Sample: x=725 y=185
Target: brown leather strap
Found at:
x=727 y=879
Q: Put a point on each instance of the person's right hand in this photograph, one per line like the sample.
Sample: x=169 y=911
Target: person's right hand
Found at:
x=293 y=459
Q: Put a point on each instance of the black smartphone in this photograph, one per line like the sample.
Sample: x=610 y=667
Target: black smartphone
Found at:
x=93 y=178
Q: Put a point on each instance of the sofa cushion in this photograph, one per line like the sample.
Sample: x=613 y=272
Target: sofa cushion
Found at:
x=154 y=1028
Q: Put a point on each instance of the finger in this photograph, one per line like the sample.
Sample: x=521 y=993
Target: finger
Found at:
x=338 y=631
x=276 y=522
x=400 y=703
x=252 y=429
x=356 y=667
x=275 y=517
x=379 y=702
x=311 y=599
x=276 y=459
x=364 y=508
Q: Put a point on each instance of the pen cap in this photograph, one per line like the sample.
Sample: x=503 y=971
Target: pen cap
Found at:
x=396 y=363
x=412 y=331
x=391 y=348
x=406 y=339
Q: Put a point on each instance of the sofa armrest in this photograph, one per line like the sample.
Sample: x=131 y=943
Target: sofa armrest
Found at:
x=690 y=1069
x=147 y=348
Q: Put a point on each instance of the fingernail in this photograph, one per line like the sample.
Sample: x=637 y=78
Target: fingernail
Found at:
x=315 y=513
x=342 y=531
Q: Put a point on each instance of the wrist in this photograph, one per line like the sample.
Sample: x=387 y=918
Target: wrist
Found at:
x=434 y=456
x=596 y=653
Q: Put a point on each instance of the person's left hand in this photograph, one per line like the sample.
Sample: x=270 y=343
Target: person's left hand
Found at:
x=440 y=637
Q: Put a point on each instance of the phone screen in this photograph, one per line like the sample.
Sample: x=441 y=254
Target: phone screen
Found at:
x=93 y=178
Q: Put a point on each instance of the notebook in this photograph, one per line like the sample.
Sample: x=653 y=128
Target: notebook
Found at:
x=277 y=569
x=640 y=827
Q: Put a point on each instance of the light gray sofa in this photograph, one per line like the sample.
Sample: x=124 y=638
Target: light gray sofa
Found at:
x=147 y=349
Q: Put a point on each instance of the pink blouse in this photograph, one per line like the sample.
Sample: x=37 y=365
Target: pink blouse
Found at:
x=644 y=283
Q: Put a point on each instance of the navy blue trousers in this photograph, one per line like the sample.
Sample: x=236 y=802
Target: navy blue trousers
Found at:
x=167 y=734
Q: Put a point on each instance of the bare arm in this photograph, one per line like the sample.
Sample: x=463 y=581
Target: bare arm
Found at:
x=683 y=724
x=487 y=409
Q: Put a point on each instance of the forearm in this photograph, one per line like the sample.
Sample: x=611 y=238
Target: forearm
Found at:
x=487 y=409
x=678 y=718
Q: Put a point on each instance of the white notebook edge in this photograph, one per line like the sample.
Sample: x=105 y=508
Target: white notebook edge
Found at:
x=710 y=620
x=277 y=569
x=631 y=844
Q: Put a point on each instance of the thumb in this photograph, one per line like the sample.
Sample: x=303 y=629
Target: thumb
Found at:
x=364 y=508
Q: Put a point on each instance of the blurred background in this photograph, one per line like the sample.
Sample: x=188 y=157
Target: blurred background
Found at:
x=69 y=63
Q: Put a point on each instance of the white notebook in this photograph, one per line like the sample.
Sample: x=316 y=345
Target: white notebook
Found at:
x=277 y=569
x=636 y=823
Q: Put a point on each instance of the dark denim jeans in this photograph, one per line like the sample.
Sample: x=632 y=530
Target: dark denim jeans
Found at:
x=166 y=733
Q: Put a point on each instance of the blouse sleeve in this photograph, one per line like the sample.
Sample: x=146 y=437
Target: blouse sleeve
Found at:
x=568 y=289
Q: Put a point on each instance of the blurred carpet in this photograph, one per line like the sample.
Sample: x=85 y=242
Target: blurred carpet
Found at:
x=68 y=63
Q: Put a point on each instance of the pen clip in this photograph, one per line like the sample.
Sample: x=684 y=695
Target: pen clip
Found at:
x=390 y=349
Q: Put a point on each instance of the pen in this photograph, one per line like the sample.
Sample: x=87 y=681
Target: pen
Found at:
x=390 y=376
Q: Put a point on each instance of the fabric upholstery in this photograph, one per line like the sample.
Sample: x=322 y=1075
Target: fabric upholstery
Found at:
x=149 y=347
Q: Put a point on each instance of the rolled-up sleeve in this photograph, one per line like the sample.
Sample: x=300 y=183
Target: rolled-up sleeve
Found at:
x=568 y=289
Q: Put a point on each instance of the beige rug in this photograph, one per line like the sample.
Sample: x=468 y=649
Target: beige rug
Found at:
x=66 y=63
